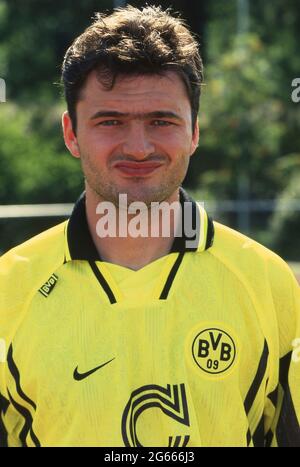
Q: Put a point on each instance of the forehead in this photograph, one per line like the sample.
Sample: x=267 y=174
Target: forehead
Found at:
x=162 y=90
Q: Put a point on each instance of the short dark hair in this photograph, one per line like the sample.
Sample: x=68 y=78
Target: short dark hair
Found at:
x=131 y=41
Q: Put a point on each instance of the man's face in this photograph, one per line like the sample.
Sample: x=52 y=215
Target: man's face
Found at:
x=134 y=139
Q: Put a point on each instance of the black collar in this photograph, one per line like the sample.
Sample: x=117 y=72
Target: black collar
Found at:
x=82 y=247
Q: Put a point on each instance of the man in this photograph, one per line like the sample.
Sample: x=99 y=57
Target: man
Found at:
x=150 y=340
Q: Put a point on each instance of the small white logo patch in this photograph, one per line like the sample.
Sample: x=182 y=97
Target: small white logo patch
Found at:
x=47 y=288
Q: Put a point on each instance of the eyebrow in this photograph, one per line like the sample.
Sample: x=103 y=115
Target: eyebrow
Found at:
x=139 y=115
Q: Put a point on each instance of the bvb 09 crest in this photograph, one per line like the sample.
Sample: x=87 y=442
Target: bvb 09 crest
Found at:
x=214 y=350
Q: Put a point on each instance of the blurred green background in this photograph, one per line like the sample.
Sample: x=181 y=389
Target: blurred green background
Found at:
x=249 y=148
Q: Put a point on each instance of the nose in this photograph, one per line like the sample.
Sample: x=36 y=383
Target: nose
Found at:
x=138 y=143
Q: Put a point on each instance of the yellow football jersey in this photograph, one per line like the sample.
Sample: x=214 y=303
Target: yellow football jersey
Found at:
x=198 y=348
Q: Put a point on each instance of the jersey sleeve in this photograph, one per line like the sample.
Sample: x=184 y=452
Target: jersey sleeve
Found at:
x=4 y=404
x=11 y=300
x=285 y=399
x=11 y=425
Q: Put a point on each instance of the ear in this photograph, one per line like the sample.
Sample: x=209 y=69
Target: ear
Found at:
x=69 y=135
x=195 y=137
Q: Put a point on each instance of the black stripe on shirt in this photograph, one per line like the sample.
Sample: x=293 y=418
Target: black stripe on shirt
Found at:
x=3 y=434
x=178 y=441
x=248 y=437
x=210 y=233
x=4 y=403
x=260 y=373
x=269 y=438
x=273 y=396
x=27 y=427
x=16 y=375
x=171 y=277
x=185 y=441
x=259 y=434
x=103 y=282
x=288 y=430
x=22 y=410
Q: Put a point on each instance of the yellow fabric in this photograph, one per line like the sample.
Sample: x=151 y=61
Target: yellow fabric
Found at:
x=200 y=368
x=149 y=279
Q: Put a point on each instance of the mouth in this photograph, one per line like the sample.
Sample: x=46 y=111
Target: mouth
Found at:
x=137 y=169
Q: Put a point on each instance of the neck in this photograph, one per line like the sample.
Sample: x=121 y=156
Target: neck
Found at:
x=133 y=240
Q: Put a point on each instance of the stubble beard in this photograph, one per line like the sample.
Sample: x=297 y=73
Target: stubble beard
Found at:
x=138 y=190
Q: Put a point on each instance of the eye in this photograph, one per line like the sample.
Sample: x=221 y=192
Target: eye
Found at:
x=109 y=123
x=162 y=123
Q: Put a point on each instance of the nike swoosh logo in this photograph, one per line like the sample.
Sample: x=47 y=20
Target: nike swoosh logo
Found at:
x=79 y=376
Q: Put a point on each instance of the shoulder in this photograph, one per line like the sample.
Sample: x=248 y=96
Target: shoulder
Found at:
x=44 y=248
x=239 y=251
x=265 y=276
x=25 y=268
